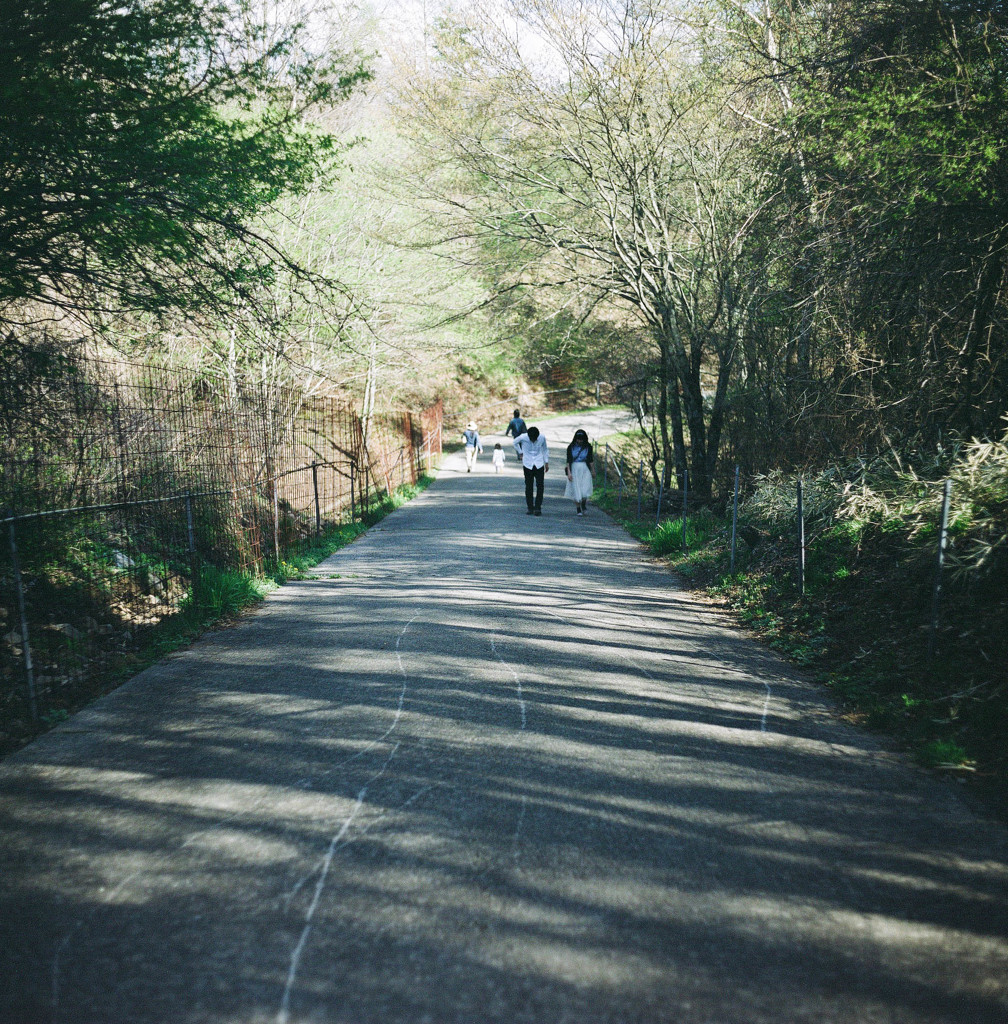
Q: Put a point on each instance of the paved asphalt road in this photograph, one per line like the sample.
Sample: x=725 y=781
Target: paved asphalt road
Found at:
x=488 y=768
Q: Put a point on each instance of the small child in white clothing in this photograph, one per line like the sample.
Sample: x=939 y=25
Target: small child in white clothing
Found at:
x=498 y=458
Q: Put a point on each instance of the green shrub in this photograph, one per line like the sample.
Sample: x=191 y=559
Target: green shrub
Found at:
x=219 y=593
x=942 y=753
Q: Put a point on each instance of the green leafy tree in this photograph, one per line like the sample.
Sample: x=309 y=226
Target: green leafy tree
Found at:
x=905 y=126
x=615 y=175
x=883 y=319
x=141 y=142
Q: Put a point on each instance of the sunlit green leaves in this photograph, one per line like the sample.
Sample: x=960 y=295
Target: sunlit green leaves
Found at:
x=140 y=142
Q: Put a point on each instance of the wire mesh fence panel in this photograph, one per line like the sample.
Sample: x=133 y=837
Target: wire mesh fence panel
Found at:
x=329 y=442
x=129 y=490
x=93 y=582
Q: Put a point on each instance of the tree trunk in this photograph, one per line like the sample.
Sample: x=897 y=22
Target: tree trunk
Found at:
x=678 y=437
x=693 y=403
x=663 y=407
x=670 y=407
x=718 y=407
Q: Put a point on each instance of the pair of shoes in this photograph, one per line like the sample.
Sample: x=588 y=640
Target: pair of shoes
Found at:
x=579 y=512
x=538 y=511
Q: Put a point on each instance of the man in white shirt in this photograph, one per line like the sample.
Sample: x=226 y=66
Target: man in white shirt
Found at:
x=534 y=453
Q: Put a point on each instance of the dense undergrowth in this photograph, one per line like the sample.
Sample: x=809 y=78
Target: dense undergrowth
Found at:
x=864 y=622
x=218 y=597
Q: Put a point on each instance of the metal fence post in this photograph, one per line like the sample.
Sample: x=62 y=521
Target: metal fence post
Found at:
x=191 y=539
x=661 y=494
x=734 y=524
x=25 y=644
x=942 y=543
x=685 y=499
x=640 y=487
x=276 y=520
x=353 y=499
x=318 y=510
x=120 y=440
x=801 y=540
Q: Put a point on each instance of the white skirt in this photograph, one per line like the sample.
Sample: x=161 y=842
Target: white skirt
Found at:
x=579 y=486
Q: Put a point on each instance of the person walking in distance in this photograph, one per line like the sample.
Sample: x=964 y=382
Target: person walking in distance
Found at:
x=498 y=457
x=580 y=469
x=516 y=427
x=472 y=444
x=533 y=451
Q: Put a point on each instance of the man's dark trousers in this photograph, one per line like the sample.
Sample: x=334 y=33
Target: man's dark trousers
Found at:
x=535 y=476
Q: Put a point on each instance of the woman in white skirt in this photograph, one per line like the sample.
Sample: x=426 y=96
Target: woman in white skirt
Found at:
x=580 y=470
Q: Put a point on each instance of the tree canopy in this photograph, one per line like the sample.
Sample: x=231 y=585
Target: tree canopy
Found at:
x=140 y=142
x=622 y=180
x=795 y=212
x=903 y=125
x=786 y=223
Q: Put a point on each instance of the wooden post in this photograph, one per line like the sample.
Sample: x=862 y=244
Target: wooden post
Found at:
x=685 y=499
x=276 y=520
x=191 y=538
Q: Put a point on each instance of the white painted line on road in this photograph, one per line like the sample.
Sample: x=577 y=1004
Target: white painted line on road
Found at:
x=395 y=721
x=416 y=796
x=299 y=884
x=284 y=1012
x=379 y=818
x=521 y=699
x=399 y=656
x=309 y=915
x=515 y=852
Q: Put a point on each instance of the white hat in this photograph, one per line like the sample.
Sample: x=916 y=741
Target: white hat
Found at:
x=470 y=425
